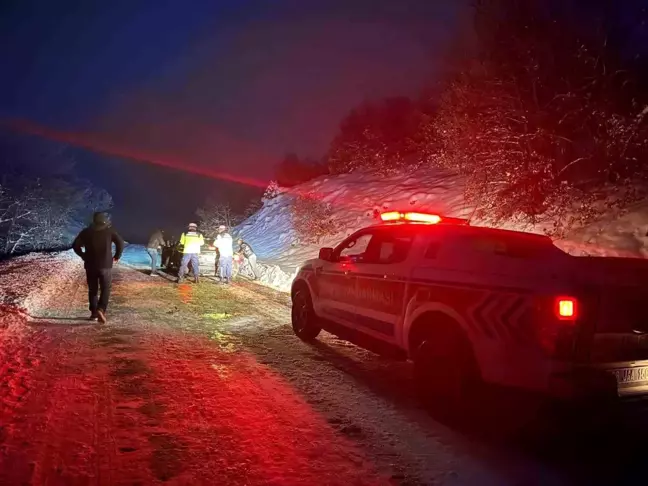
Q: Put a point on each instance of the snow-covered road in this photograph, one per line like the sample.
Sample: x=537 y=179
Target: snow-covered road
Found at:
x=201 y=384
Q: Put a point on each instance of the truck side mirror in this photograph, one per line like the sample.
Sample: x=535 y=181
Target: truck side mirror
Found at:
x=326 y=254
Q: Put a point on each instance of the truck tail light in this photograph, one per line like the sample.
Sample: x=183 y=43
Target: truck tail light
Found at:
x=557 y=323
x=566 y=308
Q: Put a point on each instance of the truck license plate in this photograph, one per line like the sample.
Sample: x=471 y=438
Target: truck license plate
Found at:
x=631 y=375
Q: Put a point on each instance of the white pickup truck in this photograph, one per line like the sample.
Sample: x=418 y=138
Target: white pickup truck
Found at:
x=470 y=305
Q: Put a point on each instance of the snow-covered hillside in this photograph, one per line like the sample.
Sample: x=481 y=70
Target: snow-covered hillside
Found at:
x=358 y=197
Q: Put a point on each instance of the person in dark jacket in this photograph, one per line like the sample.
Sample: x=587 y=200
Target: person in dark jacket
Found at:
x=155 y=243
x=94 y=246
x=246 y=251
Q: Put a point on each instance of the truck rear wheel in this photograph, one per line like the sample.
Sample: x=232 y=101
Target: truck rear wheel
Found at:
x=304 y=321
x=444 y=368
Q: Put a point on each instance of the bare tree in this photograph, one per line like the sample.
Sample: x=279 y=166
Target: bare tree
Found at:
x=43 y=204
x=312 y=219
x=214 y=214
x=45 y=214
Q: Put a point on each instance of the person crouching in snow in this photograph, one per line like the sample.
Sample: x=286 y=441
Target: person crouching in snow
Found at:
x=225 y=247
x=191 y=242
x=246 y=251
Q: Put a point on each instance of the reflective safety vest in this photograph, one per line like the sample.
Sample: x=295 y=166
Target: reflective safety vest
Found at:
x=225 y=245
x=192 y=241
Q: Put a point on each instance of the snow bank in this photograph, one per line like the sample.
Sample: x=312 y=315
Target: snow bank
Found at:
x=28 y=282
x=357 y=198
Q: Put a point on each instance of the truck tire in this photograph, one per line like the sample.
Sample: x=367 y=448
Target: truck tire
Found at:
x=445 y=370
x=304 y=321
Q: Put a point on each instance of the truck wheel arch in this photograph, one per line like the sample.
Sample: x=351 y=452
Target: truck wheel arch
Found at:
x=432 y=312
x=300 y=284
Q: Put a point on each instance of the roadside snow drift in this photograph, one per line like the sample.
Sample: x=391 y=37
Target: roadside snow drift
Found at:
x=27 y=282
x=359 y=197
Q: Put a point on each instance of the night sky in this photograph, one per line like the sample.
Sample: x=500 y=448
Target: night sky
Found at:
x=225 y=87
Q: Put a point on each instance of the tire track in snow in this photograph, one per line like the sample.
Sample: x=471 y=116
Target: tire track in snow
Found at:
x=254 y=429
x=64 y=434
x=223 y=419
x=20 y=344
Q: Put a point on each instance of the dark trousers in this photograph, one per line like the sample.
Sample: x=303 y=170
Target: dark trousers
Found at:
x=184 y=265
x=98 y=279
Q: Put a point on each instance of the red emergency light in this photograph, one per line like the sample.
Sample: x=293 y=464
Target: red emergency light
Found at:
x=413 y=217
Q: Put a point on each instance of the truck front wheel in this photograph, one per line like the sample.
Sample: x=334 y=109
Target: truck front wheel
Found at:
x=304 y=321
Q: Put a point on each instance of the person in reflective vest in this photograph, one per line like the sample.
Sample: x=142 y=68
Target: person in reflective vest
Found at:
x=191 y=241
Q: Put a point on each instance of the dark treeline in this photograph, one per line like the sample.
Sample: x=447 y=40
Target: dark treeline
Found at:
x=543 y=112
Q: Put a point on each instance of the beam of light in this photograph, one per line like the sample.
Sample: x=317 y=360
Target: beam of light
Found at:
x=96 y=144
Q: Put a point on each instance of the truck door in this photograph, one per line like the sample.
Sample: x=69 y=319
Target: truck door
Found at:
x=381 y=281
x=336 y=280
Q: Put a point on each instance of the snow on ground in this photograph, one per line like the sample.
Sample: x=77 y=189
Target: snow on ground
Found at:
x=28 y=281
x=196 y=384
x=27 y=284
x=358 y=197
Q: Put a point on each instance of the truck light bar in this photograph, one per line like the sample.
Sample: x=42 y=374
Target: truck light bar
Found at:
x=395 y=216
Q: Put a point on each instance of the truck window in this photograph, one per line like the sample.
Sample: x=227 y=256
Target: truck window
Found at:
x=388 y=248
x=512 y=246
x=356 y=247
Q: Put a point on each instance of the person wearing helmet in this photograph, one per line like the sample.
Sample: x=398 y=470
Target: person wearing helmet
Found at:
x=225 y=246
x=191 y=241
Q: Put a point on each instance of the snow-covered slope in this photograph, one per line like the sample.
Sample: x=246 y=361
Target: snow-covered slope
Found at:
x=357 y=198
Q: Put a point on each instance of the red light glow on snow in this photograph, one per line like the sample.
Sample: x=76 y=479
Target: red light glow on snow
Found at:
x=269 y=427
x=186 y=293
